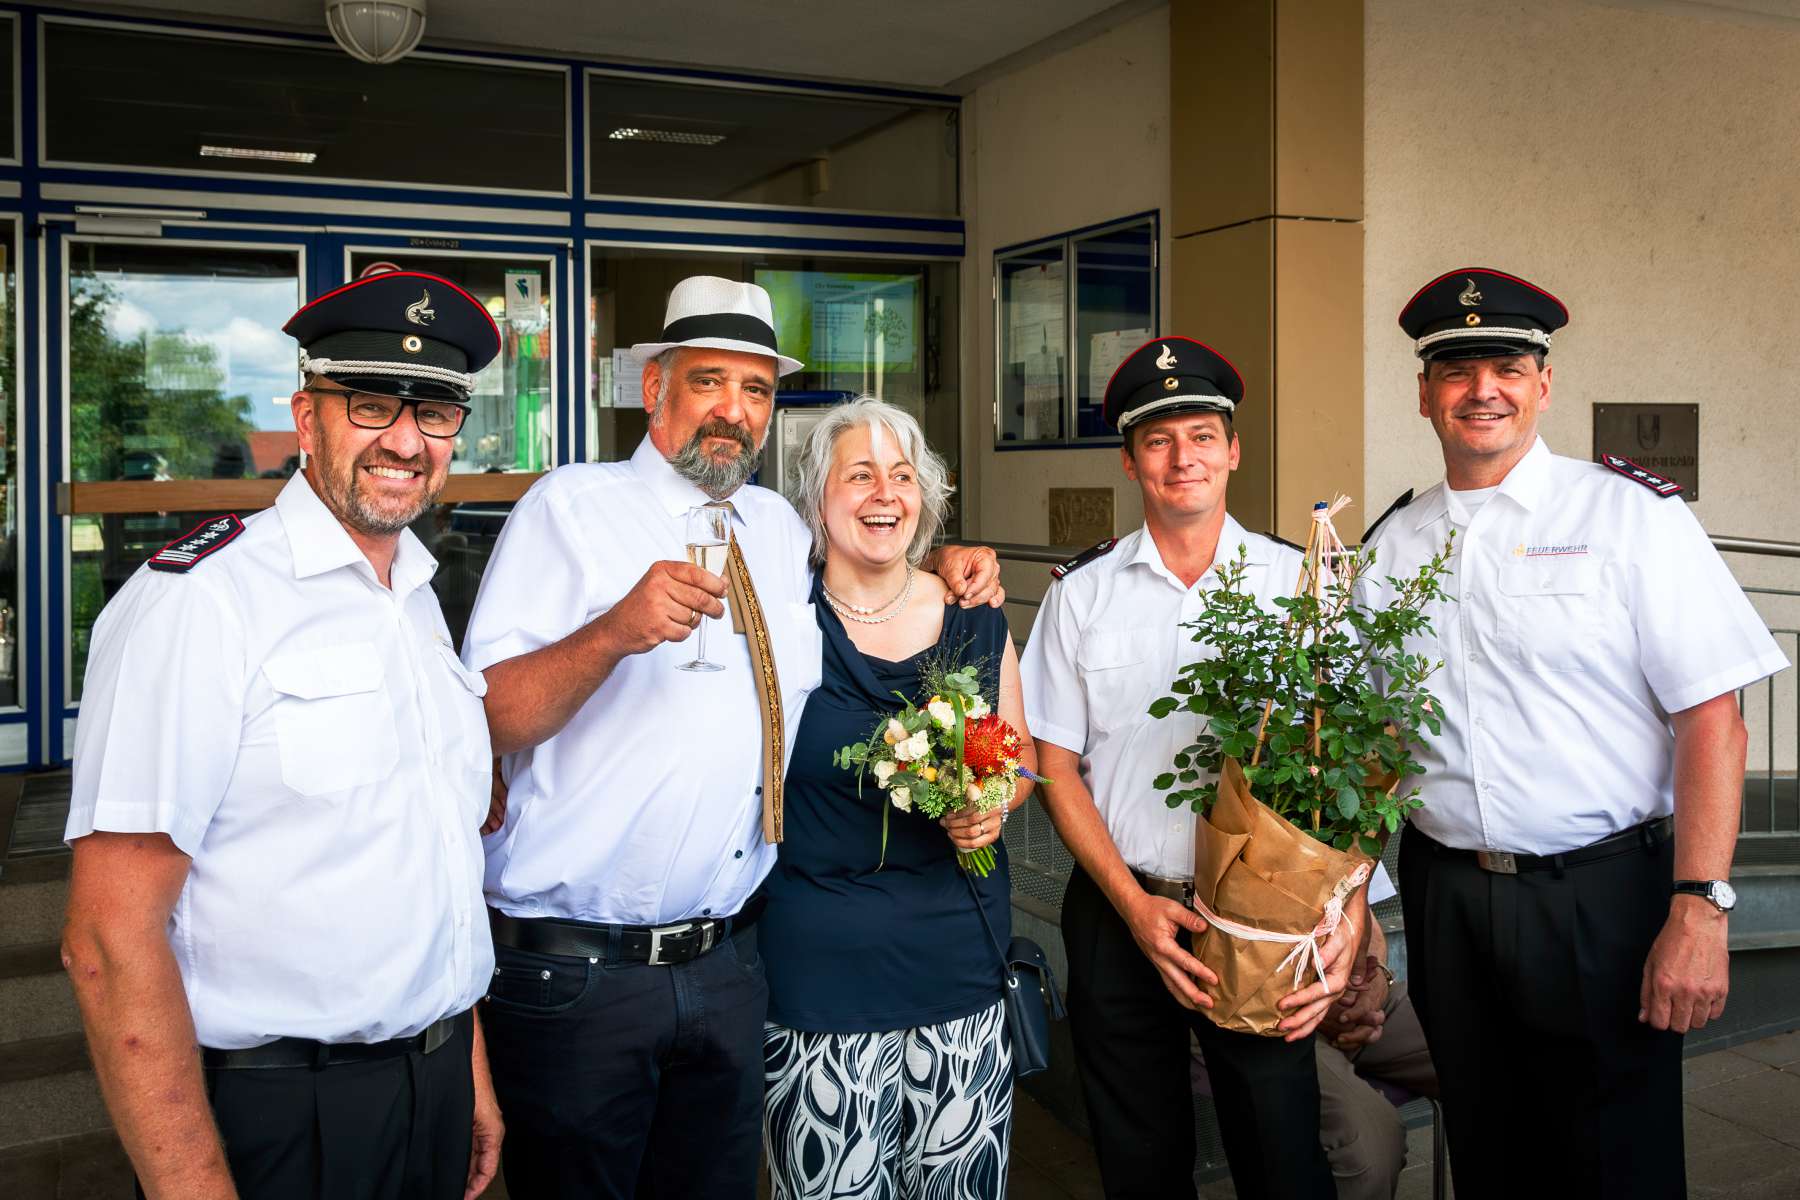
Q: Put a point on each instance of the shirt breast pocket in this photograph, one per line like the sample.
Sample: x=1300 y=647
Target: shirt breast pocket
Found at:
x=334 y=721
x=797 y=656
x=1552 y=612
x=1116 y=668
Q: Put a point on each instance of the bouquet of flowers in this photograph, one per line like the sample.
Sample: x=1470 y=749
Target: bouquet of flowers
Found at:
x=953 y=753
x=1297 y=760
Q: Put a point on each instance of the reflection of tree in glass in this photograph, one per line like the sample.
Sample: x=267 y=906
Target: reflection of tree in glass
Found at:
x=886 y=324
x=150 y=406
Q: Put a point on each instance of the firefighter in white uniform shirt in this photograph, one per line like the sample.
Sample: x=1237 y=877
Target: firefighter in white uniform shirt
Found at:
x=1565 y=883
x=1105 y=644
x=275 y=908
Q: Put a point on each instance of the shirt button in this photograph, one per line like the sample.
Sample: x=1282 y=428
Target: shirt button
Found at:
x=737 y=854
x=759 y=791
x=706 y=912
x=543 y=974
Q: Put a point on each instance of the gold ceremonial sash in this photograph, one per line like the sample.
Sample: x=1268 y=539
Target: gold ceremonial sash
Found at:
x=747 y=618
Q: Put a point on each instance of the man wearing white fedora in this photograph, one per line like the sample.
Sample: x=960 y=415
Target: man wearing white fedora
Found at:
x=625 y=1016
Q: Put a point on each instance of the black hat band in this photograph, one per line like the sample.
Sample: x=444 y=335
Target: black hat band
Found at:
x=737 y=327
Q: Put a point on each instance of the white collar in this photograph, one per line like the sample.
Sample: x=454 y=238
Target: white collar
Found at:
x=1524 y=485
x=318 y=541
x=675 y=494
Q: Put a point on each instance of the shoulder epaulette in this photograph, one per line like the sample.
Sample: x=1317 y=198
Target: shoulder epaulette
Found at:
x=1650 y=479
x=1405 y=499
x=210 y=535
x=1281 y=541
x=1082 y=559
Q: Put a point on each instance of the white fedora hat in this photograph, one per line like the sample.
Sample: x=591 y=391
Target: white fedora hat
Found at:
x=721 y=314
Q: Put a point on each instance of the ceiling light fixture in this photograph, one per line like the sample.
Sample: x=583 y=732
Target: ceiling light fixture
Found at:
x=673 y=137
x=376 y=31
x=251 y=152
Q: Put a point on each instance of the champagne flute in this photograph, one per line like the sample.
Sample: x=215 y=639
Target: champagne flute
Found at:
x=708 y=540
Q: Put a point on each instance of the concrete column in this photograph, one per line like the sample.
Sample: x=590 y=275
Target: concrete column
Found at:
x=1266 y=169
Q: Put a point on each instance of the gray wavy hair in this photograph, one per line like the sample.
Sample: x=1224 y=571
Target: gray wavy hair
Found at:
x=820 y=449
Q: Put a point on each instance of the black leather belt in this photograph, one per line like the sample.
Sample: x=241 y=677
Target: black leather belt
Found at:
x=658 y=945
x=304 y=1052
x=1181 y=891
x=1639 y=837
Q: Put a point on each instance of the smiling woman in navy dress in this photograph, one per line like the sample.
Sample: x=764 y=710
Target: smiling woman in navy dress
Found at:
x=886 y=1057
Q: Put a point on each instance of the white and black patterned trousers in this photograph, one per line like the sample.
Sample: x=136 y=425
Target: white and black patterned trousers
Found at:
x=906 y=1115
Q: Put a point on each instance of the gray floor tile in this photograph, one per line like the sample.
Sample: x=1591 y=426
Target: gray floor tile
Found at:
x=1765 y=1103
x=1782 y=1050
x=1721 y=1066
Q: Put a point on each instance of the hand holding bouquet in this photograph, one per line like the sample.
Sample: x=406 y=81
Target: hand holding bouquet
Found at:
x=950 y=755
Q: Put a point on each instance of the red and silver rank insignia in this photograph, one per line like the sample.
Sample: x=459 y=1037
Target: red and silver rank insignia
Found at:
x=1643 y=475
x=212 y=534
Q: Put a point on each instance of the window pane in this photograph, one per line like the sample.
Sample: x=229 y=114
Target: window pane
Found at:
x=178 y=368
x=1033 y=340
x=150 y=99
x=884 y=328
x=9 y=471
x=694 y=142
x=9 y=83
x=1115 y=313
x=508 y=428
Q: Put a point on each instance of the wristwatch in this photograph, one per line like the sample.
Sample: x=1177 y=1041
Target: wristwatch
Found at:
x=1717 y=892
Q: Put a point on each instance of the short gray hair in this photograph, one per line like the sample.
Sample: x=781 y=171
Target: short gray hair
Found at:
x=820 y=449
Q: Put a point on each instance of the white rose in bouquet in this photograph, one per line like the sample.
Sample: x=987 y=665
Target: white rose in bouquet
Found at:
x=902 y=798
x=884 y=771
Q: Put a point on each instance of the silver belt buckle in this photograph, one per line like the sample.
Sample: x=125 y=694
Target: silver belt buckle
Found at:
x=656 y=940
x=1500 y=862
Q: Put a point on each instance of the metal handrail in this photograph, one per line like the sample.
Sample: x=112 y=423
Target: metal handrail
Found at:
x=1028 y=552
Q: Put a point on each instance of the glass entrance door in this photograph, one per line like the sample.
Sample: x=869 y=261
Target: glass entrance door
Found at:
x=176 y=379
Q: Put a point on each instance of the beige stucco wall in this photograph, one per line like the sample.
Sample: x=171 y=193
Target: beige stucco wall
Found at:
x=1641 y=165
x=1072 y=140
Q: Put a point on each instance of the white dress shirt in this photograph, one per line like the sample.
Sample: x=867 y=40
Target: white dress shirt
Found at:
x=1106 y=644
x=1586 y=609
x=647 y=807
x=310 y=740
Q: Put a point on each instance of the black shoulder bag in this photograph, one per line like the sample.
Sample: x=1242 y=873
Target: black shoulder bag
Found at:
x=1029 y=992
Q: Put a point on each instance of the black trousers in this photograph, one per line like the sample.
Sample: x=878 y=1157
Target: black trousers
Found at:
x=1131 y=1046
x=627 y=1080
x=394 y=1129
x=1528 y=987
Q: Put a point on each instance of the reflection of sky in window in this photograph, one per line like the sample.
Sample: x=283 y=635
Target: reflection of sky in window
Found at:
x=240 y=318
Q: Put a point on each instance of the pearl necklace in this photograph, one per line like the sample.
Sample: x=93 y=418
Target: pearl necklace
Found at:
x=856 y=612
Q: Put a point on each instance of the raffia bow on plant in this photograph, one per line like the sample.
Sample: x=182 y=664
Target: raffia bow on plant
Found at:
x=1281 y=843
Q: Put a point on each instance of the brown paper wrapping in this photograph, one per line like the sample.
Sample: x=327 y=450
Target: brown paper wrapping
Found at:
x=1254 y=867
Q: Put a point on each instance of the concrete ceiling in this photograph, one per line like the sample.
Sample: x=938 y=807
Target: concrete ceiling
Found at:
x=874 y=41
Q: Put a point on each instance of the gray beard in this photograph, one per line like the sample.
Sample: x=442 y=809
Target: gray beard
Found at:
x=716 y=478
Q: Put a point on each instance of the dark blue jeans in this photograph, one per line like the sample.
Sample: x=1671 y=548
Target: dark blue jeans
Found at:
x=627 y=1080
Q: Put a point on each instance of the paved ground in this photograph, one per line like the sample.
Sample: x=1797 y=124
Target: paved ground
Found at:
x=1743 y=1136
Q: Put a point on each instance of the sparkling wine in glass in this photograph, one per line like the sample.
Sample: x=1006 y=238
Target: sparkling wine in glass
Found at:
x=708 y=541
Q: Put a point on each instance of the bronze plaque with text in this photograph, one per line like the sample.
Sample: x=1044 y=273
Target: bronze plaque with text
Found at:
x=1664 y=438
x=1080 y=516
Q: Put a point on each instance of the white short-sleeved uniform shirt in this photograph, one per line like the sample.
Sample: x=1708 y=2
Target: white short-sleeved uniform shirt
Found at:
x=310 y=740
x=1106 y=643
x=1586 y=609
x=647 y=807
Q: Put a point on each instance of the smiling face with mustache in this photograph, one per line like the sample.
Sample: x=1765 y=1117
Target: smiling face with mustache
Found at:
x=709 y=413
x=375 y=481
x=1485 y=413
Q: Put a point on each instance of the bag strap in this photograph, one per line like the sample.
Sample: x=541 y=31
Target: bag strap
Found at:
x=980 y=911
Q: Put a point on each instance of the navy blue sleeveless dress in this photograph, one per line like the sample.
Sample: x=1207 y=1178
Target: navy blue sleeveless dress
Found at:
x=848 y=948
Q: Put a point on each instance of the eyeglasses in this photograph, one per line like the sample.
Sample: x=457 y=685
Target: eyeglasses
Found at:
x=435 y=418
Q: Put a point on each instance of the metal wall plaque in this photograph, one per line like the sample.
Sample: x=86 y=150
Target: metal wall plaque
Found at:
x=1664 y=438
x=1080 y=516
